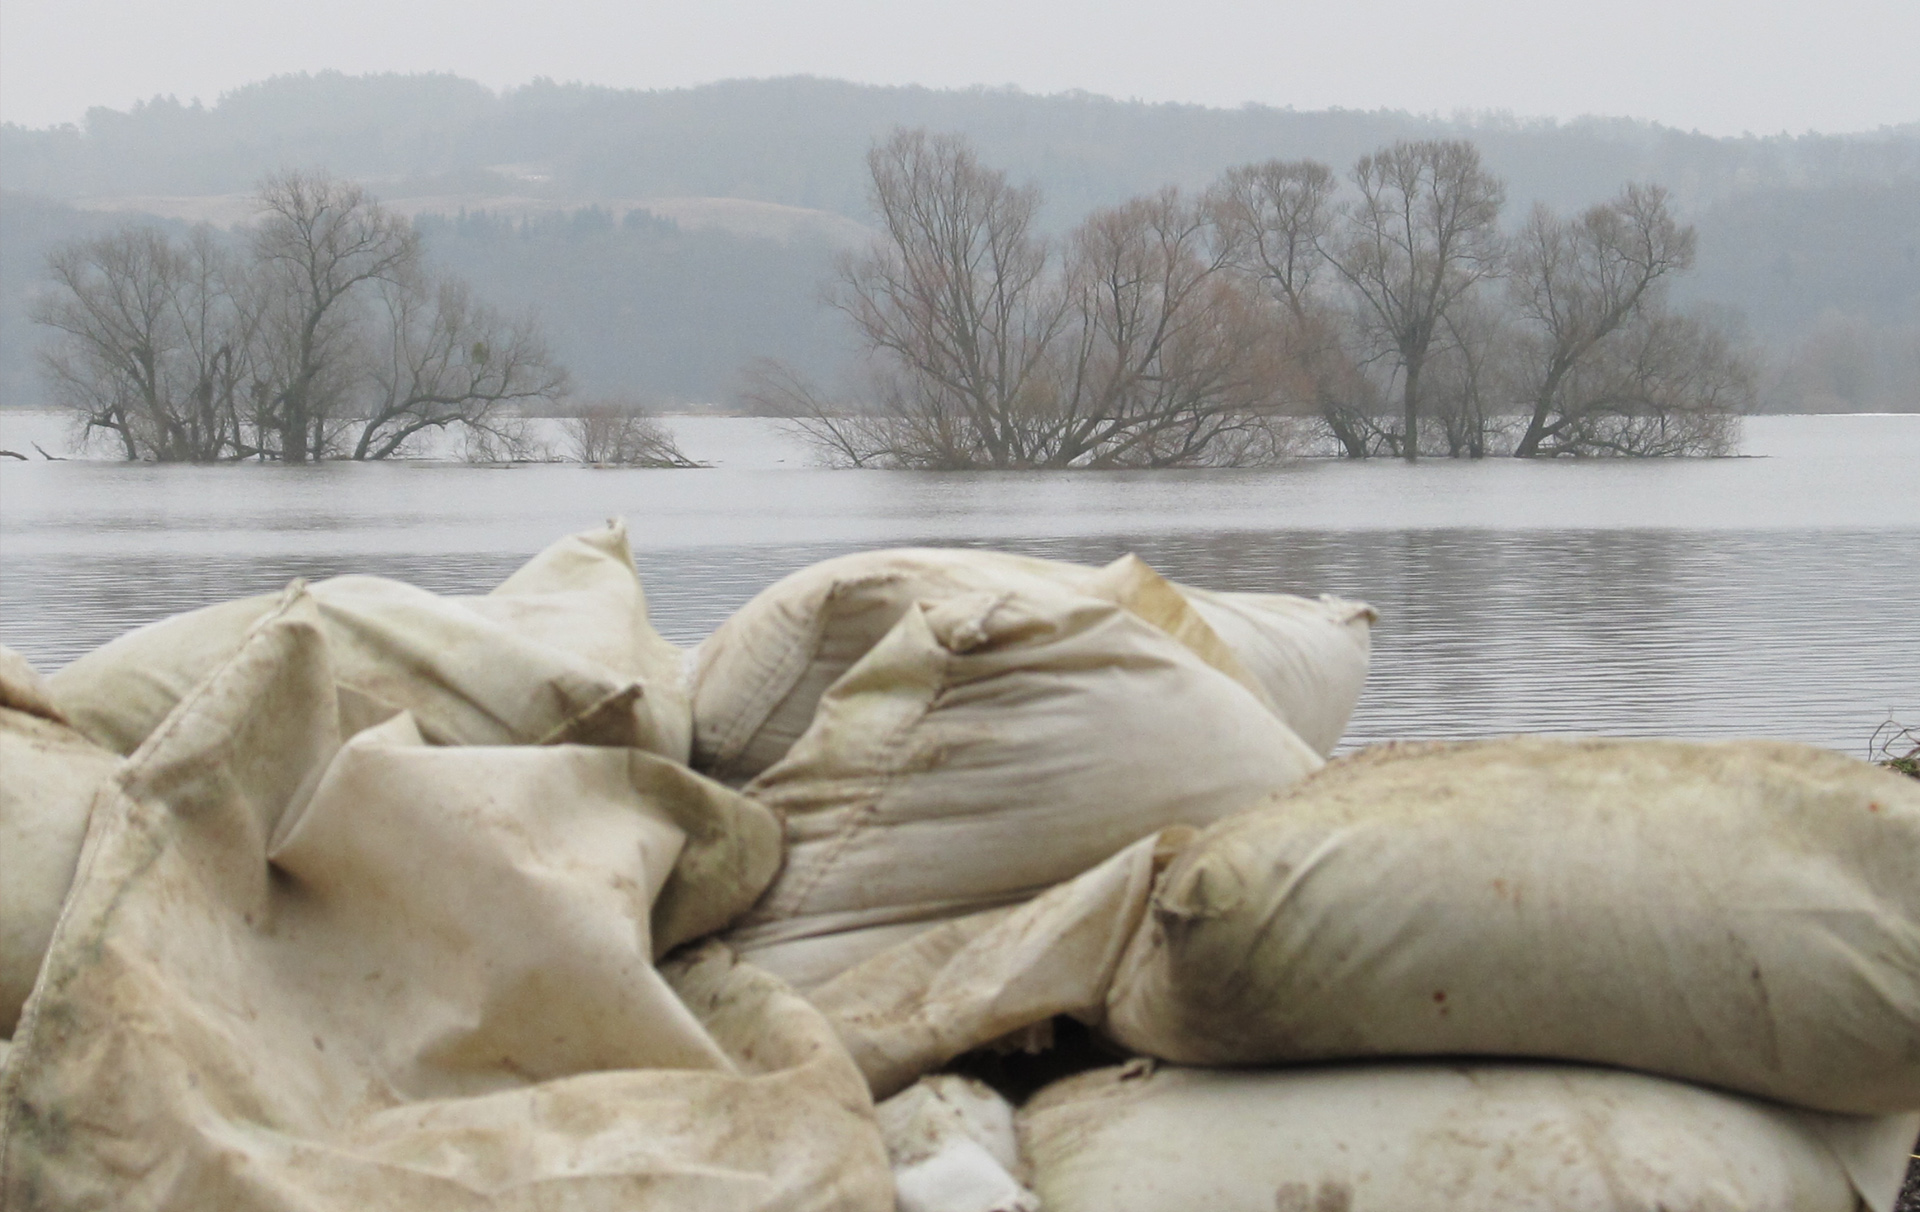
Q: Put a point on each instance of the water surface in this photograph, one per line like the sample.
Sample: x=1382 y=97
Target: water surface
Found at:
x=1773 y=595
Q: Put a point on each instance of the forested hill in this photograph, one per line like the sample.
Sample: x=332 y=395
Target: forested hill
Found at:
x=800 y=141
x=1814 y=239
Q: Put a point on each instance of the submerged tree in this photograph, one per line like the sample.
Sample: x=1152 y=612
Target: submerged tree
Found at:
x=1131 y=346
x=1666 y=384
x=1604 y=368
x=610 y=432
x=955 y=303
x=1422 y=234
x=1277 y=221
x=1167 y=360
x=1384 y=295
x=444 y=360
x=321 y=250
x=155 y=341
x=321 y=333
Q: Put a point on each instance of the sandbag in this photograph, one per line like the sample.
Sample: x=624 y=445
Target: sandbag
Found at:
x=1744 y=914
x=49 y=775
x=977 y=979
x=299 y=974
x=1480 y=1138
x=950 y=1140
x=582 y=595
x=1310 y=655
x=987 y=748
x=23 y=689
x=117 y=694
x=761 y=674
x=470 y=675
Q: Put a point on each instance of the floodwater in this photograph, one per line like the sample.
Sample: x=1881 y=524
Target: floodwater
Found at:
x=1770 y=595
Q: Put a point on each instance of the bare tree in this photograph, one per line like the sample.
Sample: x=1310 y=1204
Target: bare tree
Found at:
x=154 y=346
x=620 y=433
x=954 y=304
x=330 y=337
x=1421 y=236
x=1169 y=360
x=1277 y=219
x=1579 y=283
x=848 y=432
x=1468 y=376
x=1134 y=349
x=321 y=248
x=445 y=360
x=1665 y=384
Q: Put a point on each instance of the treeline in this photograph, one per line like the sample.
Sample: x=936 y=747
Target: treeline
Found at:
x=1392 y=309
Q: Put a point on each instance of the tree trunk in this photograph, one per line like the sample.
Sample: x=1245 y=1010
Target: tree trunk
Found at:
x=293 y=434
x=1529 y=446
x=1410 y=443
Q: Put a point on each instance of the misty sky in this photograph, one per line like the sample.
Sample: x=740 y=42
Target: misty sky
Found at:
x=1721 y=66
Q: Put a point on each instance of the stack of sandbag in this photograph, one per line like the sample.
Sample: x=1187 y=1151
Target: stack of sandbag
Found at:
x=561 y=651
x=944 y=734
x=342 y=935
x=1731 y=930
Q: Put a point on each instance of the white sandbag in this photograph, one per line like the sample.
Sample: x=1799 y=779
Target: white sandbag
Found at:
x=989 y=747
x=1481 y=1138
x=467 y=678
x=968 y=982
x=48 y=777
x=582 y=595
x=23 y=689
x=950 y=1140
x=761 y=674
x=1310 y=655
x=117 y=694
x=438 y=994
x=1744 y=914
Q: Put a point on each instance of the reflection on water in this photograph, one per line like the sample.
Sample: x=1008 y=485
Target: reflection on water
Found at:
x=1775 y=596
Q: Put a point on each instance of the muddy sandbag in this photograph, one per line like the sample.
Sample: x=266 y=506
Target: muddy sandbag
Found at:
x=760 y=676
x=951 y=1142
x=1744 y=914
x=297 y=974
x=1481 y=1138
x=967 y=983
x=1310 y=655
x=989 y=747
x=467 y=678
x=583 y=595
x=49 y=775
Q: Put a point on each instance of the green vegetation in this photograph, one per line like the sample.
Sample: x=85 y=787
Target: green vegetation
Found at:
x=1897 y=747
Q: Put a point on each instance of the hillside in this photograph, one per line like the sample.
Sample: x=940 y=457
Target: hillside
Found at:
x=744 y=188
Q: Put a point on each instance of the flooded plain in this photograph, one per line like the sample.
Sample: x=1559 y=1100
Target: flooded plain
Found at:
x=1772 y=595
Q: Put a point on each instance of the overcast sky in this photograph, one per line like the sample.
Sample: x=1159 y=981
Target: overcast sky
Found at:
x=1721 y=66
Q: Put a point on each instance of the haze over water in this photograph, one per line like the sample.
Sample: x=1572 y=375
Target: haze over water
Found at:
x=1772 y=596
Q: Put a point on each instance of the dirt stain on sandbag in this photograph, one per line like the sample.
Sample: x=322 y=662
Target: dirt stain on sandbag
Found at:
x=1320 y=1197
